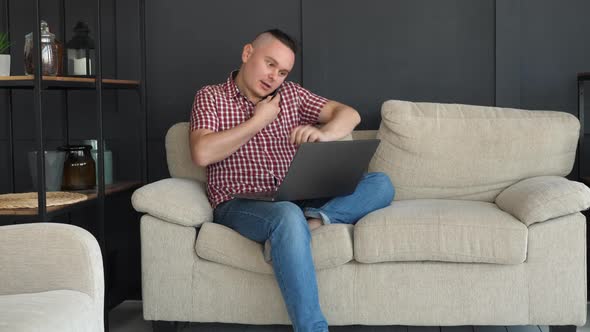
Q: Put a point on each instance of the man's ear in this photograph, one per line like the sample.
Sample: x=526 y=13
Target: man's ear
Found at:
x=247 y=52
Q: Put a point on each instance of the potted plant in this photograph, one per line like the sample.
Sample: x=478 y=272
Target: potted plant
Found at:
x=4 y=55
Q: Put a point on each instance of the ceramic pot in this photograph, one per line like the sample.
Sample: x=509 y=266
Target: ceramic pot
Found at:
x=54 y=163
x=4 y=64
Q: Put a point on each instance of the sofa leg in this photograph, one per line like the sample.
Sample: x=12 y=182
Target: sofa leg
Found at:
x=164 y=326
x=562 y=328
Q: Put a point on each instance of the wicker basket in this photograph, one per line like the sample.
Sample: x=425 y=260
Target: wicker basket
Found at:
x=30 y=200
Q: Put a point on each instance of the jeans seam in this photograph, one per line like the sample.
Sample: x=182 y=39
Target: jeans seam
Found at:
x=253 y=215
x=279 y=274
x=325 y=218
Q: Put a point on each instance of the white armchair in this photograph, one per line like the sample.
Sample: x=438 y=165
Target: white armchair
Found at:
x=51 y=279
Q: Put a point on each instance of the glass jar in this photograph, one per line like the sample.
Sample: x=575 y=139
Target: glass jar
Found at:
x=79 y=168
x=49 y=52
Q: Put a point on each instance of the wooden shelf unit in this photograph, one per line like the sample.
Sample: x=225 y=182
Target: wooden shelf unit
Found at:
x=65 y=82
x=92 y=194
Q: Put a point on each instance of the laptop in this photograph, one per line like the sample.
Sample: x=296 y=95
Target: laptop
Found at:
x=322 y=170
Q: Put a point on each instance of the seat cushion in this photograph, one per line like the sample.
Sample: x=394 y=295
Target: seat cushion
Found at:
x=331 y=247
x=58 y=310
x=440 y=230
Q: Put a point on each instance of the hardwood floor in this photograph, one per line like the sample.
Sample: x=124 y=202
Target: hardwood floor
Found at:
x=127 y=317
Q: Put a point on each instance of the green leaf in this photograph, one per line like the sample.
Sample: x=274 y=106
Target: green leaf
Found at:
x=4 y=42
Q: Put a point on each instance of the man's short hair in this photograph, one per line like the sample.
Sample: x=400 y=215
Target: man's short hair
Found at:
x=283 y=38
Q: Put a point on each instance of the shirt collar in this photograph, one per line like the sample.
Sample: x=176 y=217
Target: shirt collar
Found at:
x=232 y=86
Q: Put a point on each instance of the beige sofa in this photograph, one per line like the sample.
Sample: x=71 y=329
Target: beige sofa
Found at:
x=51 y=279
x=484 y=230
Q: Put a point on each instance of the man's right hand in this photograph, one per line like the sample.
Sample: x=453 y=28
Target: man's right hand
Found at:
x=267 y=109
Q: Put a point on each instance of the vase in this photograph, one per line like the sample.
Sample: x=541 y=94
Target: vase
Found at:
x=4 y=64
x=108 y=160
x=78 y=168
x=54 y=163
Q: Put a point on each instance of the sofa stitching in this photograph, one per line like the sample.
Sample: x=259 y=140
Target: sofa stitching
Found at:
x=506 y=116
x=440 y=252
x=386 y=259
x=528 y=290
x=507 y=229
x=355 y=290
x=367 y=225
x=231 y=261
x=193 y=281
x=430 y=253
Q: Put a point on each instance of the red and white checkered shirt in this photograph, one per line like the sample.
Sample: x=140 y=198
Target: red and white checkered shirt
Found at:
x=261 y=164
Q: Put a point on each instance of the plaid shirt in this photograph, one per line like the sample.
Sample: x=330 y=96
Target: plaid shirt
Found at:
x=261 y=163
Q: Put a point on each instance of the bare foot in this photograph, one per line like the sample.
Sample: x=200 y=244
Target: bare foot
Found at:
x=314 y=223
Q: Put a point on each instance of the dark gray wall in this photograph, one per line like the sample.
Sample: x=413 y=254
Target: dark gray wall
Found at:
x=540 y=47
x=367 y=52
x=508 y=53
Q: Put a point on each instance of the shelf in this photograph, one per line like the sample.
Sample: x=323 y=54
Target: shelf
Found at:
x=583 y=76
x=56 y=210
x=64 y=82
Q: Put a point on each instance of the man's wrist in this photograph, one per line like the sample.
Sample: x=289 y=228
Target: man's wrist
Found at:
x=328 y=135
x=258 y=122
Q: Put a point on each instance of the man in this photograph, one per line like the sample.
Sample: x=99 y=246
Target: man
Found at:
x=246 y=137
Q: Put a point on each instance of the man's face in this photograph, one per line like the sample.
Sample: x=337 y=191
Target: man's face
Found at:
x=266 y=66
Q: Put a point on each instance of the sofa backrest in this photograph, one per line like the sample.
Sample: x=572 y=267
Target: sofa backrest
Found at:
x=178 y=155
x=433 y=150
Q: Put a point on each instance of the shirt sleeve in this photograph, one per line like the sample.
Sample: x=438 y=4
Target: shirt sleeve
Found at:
x=203 y=114
x=310 y=106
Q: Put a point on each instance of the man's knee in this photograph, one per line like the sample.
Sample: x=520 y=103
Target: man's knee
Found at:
x=289 y=216
x=381 y=187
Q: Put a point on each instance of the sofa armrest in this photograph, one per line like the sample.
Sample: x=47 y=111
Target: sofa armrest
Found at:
x=179 y=201
x=42 y=257
x=542 y=198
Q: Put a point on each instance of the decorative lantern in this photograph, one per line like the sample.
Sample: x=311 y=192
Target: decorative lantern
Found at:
x=81 y=52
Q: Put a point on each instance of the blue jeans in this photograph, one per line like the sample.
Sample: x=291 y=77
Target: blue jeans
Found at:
x=285 y=225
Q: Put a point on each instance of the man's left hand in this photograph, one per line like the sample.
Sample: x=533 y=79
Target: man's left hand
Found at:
x=302 y=134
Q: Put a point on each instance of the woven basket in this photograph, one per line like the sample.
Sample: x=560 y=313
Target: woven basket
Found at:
x=29 y=200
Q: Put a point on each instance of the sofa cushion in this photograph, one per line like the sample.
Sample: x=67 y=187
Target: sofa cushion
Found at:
x=331 y=246
x=180 y=201
x=544 y=197
x=455 y=151
x=58 y=311
x=440 y=230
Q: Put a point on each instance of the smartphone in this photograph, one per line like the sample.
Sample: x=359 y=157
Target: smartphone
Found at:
x=274 y=93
